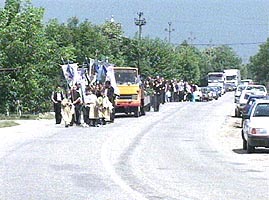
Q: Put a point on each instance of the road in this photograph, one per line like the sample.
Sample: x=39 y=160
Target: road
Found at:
x=185 y=151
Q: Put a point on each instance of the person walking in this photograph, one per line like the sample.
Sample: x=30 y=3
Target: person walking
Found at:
x=91 y=112
x=57 y=97
x=157 y=94
x=77 y=102
x=67 y=111
x=109 y=92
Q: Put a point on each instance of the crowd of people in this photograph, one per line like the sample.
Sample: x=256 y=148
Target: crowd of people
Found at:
x=96 y=107
x=173 y=90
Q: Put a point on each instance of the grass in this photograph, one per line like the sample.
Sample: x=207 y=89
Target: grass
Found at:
x=8 y=121
x=4 y=124
x=28 y=116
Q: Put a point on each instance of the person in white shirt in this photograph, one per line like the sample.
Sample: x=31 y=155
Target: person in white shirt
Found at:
x=91 y=110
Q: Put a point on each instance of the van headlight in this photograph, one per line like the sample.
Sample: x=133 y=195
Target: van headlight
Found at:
x=134 y=97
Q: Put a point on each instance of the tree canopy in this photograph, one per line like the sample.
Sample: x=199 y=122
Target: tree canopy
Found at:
x=35 y=48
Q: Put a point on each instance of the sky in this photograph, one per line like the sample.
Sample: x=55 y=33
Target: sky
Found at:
x=241 y=24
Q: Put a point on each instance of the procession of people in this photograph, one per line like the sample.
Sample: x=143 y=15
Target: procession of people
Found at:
x=97 y=106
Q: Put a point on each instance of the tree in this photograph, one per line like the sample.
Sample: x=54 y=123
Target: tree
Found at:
x=26 y=48
x=259 y=63
x=189 y=60
x=114 y=36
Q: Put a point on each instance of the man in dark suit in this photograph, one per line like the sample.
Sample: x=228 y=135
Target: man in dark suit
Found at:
x=57 y=97
x=77 y=102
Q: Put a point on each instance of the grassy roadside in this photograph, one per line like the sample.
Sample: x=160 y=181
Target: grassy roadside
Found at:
x=9 y=121
x=4 y=124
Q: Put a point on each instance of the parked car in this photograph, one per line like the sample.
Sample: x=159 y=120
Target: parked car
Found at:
x=250 y=101
x=214 y=91
x=255 y=131
x=245 y=93
x=238 y=92
x=247 y=81
x=257 y=89
x=241 y=102
x=207 y=94
x=230 y=87
x=218 y=90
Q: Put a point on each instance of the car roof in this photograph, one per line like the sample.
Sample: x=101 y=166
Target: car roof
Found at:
x=255 y=86
x=252 y=98
x=262 y=101
x=256 y=96
x=242 y=85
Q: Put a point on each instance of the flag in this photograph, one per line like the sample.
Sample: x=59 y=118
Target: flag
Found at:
x=110 y=76
x=90 y=65
x=70 y=72
x=82 y=81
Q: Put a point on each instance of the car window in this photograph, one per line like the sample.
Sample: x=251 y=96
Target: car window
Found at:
x=251 y=102
x=261 y=110
x=246 y=96
x=257 y=88
x=240 y=88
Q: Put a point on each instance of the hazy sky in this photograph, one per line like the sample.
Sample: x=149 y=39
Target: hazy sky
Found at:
x=243 y=24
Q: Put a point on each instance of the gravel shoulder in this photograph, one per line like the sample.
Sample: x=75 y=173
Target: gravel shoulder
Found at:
x=229 y=141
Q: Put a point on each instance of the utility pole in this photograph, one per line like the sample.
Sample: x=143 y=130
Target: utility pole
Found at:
x=191 y=38
x=140 y=22
x=169 y=30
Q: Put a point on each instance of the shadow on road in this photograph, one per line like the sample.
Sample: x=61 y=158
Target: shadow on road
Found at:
x=258 y=151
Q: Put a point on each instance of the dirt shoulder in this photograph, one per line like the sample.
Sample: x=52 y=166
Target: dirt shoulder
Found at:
x=230 y=141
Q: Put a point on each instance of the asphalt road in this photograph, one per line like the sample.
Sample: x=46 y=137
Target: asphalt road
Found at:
x=171 y=154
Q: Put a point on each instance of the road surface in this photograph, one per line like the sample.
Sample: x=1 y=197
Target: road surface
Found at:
x=188 y=150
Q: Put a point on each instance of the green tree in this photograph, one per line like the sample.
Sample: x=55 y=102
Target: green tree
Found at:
x=25 y=47
x=114 y=36
x=189 y=60
x=259 y=63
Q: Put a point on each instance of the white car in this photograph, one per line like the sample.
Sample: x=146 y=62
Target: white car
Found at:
x=238 y=92
x=257 y=89
x=245 y=93
x=255 y=132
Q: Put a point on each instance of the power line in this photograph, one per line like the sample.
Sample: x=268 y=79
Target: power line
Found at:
x=228 y=44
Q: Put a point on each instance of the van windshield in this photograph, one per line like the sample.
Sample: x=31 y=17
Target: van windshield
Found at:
x=126 y=76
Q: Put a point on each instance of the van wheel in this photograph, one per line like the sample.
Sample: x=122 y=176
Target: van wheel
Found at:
x=137 y=112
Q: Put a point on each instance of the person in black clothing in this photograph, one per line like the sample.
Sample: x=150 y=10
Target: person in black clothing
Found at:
x=157 y=95
x=57 y=97
x=77 y=102
x=162 y=90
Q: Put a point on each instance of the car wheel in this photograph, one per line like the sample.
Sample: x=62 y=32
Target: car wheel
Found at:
x=244 y=144
x=244 y=141
x=250 y=149
x=235 y=113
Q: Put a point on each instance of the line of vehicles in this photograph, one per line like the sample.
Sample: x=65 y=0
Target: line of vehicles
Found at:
x=131 y=99
x=252 y=105
x=251 y=101
x=218 y=83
